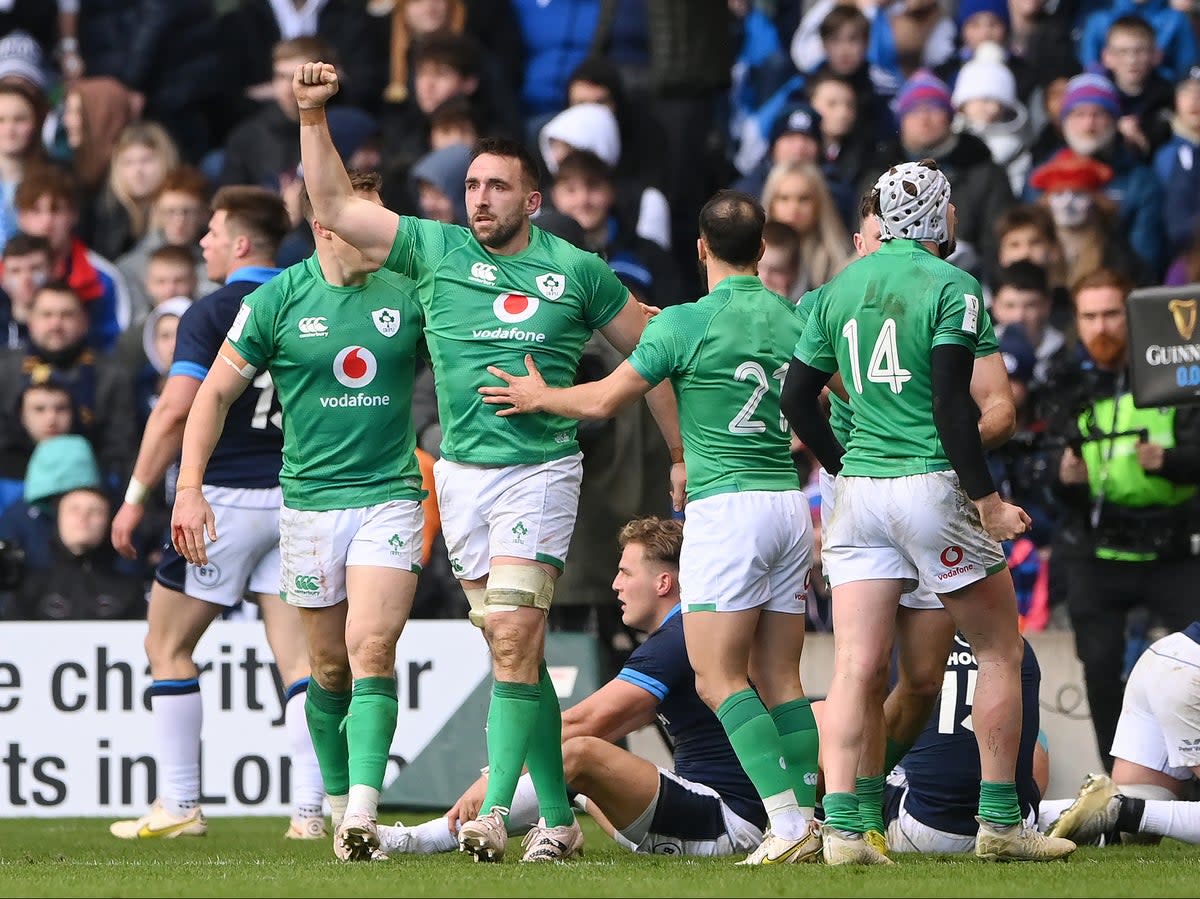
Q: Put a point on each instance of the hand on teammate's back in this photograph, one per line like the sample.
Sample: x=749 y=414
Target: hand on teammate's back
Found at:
x=1003 y=521
x=314 y=84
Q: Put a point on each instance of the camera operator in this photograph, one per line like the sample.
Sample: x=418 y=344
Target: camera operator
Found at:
x=1126 y=484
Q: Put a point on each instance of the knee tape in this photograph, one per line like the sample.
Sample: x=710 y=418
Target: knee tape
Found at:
x=512 y=586
x=476 y=597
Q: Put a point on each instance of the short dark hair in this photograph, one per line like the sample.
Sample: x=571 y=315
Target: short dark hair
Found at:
x=586 y=165
x=780 y=234
x=1023 y=275
x=172 y=254
x=599 y=70
x=22 y=244
x=866 y=204
x=510 y=149
x=731 y=224
x=1131 y=24
x=455 y=112
x=458 y=51
x=661 y=539
x=1027 y=215
x=60 y=287
x=841 y=16
x=360 y=182
x=256 y=212
x=825 y=76
x=47 y=180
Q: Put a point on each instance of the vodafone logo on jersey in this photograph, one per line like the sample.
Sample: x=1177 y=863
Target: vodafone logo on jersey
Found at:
x=355 y=366
x=514 y=307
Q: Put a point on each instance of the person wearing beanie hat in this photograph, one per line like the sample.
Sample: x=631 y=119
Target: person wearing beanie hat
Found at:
x=798 y=119
x=923 y=89
x=21 y=61
x=985 y=97
x=982 y=20
x=1092 y=89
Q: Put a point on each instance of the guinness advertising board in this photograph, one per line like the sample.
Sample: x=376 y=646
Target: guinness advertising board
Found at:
x=1164 y=346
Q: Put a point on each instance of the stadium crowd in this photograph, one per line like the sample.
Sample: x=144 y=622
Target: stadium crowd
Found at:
x=1068 y=131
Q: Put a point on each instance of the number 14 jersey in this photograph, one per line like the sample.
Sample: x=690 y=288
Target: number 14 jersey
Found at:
x=726 y=356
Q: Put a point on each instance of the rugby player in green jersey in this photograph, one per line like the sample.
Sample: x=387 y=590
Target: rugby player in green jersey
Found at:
x=913 y=500
x=339 y=339
x=747 y=541
x=507 y=489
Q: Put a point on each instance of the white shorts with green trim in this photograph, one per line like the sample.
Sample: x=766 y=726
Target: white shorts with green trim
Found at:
x=316 y=548
x=522 y=511
x=1159 y=727
x=920 y=529
x=748 y=550
x=921 y=598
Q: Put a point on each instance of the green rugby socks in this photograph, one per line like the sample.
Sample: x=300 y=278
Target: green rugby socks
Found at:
x=370 y=726
x=545 y=758
x=797 y=730
x=512 y=718
x=325 y=712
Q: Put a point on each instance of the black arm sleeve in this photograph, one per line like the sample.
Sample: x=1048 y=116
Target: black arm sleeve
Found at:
x=799 y=403
x=954 y=415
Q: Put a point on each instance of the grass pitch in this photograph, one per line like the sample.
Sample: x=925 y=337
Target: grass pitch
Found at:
x=249 y=857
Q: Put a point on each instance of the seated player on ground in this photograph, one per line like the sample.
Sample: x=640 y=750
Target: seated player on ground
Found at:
x=1156 y=755
x=705 y=806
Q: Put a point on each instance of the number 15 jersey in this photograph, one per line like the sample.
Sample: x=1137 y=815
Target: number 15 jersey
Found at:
x=726 y=356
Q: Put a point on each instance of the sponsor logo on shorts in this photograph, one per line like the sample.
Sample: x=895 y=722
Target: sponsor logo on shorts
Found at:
x=483 y=273
x=519 y=532
x=551 y=285
x=307 y=583
x=313 y=326
x=457 y=565
x=667 y=847
x=952 y=557
x=208 y=575
x=515 y=307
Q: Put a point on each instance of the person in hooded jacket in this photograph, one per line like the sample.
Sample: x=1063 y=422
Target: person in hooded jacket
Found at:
x=437 y=184
x=986 y=105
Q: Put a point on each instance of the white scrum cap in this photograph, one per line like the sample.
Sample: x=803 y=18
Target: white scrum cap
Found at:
x=914 y=203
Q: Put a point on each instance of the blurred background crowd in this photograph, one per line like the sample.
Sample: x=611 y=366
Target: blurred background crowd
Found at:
x=1069 y=130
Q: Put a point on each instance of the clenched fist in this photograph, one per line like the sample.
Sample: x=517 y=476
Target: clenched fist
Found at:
x=314 y=84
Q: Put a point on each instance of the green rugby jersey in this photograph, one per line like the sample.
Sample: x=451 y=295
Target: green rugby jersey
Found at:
x=877 y=323
x=343 y=361
x=839 y=409
x=483 y=309
x=726 y=356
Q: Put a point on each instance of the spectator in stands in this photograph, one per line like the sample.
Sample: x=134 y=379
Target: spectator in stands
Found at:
x=557 y=38
x=170 y=273
x=453 y=122
x=342 y=27
x=980 y=187
x=796 y=194
x=1173 y=29
x=177 y=216
x=166 y=51
x=22 y=60
x=1144 y=97
x=1186 y=269
x=1085 y=223
x=21 y=115
x=1027 y=232
x=26 y=268
x=1022 y=299
x=985 y=22
x=158 y=347
x=94 y=112
x=1183 y=147
x=844 y=34
x=1090 y=110
x=86 y=579
x=986 y=105
x=779 y=267
x=57 y=466
x=58 y=351
x=48 y=206
x=143 y=155
x=848 y=145
x=1042 y=41
x=594 y=127
x=45 y=410
x=265 y=144
x=438 y=180
x=793 y=136
x=584 y=188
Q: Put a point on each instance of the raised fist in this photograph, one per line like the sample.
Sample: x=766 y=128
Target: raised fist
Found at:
x=314 y=84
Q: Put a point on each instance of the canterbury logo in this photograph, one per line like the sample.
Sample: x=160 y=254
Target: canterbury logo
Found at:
x=481 y=271
x=1184 y=313
x=306 y=583
x=313 y=327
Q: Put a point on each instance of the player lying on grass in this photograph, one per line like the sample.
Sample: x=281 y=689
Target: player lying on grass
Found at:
x=1156 y=755
x=705 y=806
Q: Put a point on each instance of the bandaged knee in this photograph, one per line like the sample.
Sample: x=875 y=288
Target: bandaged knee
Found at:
x=476 y=597
x=511 y=587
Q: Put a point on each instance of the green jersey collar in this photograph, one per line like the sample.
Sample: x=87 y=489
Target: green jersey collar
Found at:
x=735 y=281
x=902 y=245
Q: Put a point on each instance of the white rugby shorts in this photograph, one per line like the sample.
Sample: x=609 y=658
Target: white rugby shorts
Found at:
x=1159 y=726
x=316 y=547
x=919 y=529
x=747 y=550
x=522 y=511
